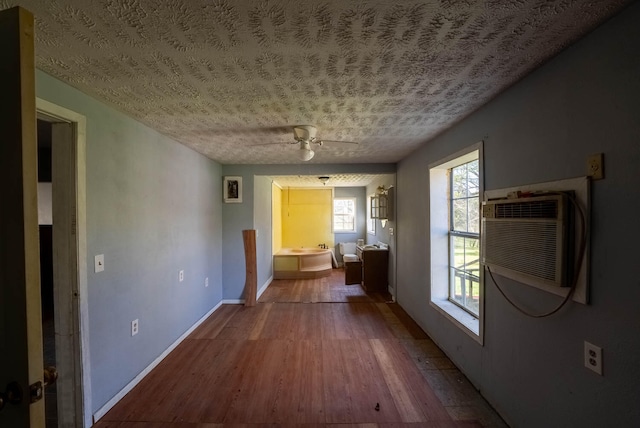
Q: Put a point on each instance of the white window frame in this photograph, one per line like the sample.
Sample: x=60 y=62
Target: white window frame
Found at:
x=371 y=222
x=355 y=215
x=439 y=236
x=464 y=272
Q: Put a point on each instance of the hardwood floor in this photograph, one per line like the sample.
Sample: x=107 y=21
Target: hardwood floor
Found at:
x=358 y=361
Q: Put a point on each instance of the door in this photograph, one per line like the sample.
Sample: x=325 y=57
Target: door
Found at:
x=21 y=362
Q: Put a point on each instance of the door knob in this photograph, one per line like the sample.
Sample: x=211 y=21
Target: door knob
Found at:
x=50 y=375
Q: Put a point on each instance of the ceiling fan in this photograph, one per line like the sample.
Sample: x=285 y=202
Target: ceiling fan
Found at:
x=305 y=136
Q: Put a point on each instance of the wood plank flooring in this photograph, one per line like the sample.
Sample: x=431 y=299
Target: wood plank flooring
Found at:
x=359 y=361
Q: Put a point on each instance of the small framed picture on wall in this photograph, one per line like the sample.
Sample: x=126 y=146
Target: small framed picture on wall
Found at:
x=232 y=190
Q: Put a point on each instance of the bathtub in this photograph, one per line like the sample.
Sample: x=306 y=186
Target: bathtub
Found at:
x=298 y=263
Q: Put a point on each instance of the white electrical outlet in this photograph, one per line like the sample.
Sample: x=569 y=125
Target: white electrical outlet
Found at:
x=595 y=166
x=99 y=263
x=134 y=327
x=593 y=357
x=181 y=276
x=206 y=282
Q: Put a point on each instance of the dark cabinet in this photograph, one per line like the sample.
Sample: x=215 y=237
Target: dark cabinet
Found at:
x=353 y=272
x=375 y=268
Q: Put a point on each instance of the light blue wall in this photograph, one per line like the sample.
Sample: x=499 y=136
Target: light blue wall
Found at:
x=153 y=208
x=361 y=216
x=237 y=217
x=585 y=101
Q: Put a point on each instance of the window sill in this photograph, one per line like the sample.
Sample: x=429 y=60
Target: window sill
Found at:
x=464 y=320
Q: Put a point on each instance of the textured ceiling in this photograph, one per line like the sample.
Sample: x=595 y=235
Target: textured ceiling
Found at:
x=224 y=77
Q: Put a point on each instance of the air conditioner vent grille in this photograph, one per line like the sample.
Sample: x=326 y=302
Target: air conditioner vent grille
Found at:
x=526 y=239
x=527 y=247
x=528 y=209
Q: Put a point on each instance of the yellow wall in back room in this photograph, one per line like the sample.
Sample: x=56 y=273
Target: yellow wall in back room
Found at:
x=306 y=218
x=276 y=209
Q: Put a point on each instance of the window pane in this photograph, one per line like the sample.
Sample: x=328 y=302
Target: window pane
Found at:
x=465 y=273
x=474 y=215
x=473 y=178
x=472 y=255
x=457 y=252
x=456 y=293
x=460 y=215
x=459 y=181
x=344 y=215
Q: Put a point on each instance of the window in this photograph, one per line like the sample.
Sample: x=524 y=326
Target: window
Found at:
x=455 y=189
x=371 y=222
x=344 y=215
x=464 y=236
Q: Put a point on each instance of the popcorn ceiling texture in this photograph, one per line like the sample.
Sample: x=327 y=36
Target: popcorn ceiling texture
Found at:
x=225 y=76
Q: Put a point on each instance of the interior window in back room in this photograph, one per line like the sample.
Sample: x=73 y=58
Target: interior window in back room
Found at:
x=344 y=215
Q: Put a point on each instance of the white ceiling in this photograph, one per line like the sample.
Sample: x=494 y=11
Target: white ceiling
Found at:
x=222 y=76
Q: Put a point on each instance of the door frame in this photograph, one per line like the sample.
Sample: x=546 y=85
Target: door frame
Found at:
x=71 y=289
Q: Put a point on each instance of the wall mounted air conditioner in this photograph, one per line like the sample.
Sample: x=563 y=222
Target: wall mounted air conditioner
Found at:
x=527 y=239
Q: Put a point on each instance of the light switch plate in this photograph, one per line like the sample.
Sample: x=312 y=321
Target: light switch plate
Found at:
x=99 y=263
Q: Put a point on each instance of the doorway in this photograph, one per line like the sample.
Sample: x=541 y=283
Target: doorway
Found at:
x=63 y=244
x=45 y=226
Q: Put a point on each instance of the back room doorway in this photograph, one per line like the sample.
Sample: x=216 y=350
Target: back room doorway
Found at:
x=62 y=224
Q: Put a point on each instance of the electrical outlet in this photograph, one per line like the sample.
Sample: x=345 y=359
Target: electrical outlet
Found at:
x=134 y=327
x=593 y=357
x=181 y=276
x=206 y=282
x=595 y=166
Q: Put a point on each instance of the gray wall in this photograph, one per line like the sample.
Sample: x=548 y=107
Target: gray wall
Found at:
x=237 y=217
x=361 y=216
x=153 y=208
x=586 y=100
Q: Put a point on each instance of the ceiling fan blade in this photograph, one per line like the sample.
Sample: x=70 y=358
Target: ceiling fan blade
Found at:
x=251 y=130
x=332 y=142
x=281 y=143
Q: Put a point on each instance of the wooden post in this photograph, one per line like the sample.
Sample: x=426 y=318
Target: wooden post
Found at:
x=251 y=283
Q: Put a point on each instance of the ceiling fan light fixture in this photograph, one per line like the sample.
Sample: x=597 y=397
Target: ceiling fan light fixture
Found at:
x=305 y=154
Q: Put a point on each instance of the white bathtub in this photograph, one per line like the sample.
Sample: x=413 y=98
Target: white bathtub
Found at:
x=295 y=263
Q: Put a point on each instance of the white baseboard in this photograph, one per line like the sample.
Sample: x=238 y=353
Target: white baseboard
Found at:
x=233 y=302
x=124 y=391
